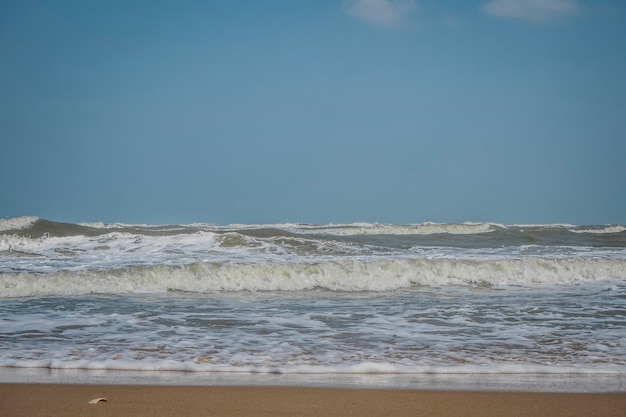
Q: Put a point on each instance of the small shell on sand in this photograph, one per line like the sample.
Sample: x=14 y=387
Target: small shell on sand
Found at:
x=98 y=400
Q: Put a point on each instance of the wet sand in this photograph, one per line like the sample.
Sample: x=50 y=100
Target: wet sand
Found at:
x=70 y=400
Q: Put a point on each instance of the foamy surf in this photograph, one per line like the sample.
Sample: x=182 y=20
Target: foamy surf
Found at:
x=359 y=298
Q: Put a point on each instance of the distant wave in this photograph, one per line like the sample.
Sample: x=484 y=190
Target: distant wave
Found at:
x=36 y=227
x=34 y=245
x=601 y=230
x=412 y=229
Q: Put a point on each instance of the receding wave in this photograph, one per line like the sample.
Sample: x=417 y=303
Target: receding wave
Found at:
x=341 y=276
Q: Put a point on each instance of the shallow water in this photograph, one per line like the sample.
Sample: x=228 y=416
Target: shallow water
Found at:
x=360 y=299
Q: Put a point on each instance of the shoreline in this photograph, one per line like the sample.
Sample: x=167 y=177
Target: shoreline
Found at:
x=71 y=400
x=561 y=383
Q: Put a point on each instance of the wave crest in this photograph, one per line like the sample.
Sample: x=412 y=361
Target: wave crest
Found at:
x=601 y=230
x=17 y=223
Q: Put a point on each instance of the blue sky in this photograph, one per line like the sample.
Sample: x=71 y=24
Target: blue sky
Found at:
x=403 y=111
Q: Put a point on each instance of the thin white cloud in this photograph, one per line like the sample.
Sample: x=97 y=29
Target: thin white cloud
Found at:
x=451 y=22
x=533 y=10
x=385 y=13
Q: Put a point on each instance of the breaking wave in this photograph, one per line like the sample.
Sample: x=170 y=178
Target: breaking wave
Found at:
x=340 y=276
x=17 y=223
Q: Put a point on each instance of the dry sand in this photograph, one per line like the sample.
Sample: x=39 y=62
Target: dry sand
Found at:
x=68 y=400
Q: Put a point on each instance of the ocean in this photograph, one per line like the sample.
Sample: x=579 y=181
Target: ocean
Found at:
x=357 y=300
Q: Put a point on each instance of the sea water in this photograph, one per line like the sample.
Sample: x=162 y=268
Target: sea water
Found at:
x=298 y=299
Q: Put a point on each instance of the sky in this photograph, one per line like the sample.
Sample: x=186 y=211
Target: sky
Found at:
x=326 y=111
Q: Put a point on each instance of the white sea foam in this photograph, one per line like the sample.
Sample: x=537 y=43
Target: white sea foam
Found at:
x=371 y=368
x=102 y=225
x=542 y=225
x=411 y=229
x=456 y=330
x=110 y=250
x=17 y=223
x=98 y=225
x=607 y=229
x=13 y=242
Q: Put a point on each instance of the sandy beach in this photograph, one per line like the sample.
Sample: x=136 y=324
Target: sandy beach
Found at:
x=69 y=400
